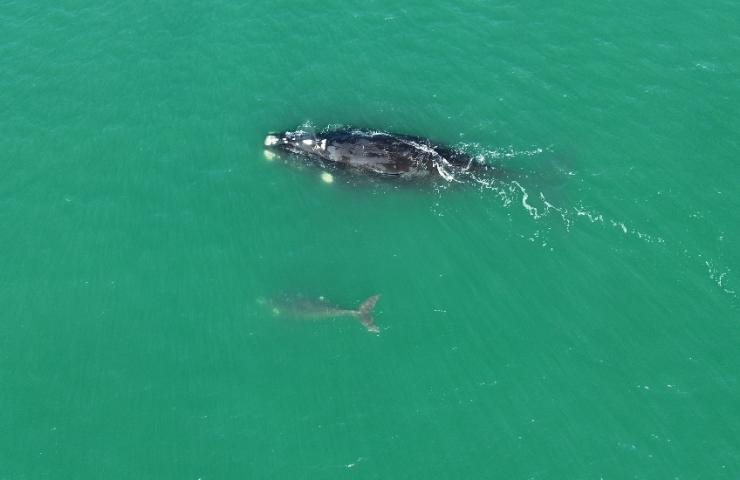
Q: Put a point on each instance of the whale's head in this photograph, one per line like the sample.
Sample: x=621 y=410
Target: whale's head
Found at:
x=299 y=142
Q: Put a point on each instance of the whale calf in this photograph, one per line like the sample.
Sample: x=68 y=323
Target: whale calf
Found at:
x=368 y=151
x=320 y=308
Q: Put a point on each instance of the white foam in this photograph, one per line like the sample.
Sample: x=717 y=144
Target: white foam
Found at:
x=327 y=177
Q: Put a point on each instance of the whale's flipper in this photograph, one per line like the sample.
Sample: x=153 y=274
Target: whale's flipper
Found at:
x=365 y=313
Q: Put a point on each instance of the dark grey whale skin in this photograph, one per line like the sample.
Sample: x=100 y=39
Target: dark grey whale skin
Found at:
x=367 y=151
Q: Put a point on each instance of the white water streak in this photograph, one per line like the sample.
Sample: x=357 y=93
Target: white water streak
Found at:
x=513 y=192
x=719 y=276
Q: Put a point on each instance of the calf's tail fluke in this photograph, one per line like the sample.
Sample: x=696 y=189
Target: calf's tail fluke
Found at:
x=365 y=313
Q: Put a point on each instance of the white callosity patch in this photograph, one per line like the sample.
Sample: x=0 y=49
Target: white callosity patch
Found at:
x=327 y=177
x=308 y=141
x=269 y=156
x=271 y=140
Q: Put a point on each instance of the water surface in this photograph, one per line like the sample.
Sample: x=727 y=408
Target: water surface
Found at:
x=576 y=320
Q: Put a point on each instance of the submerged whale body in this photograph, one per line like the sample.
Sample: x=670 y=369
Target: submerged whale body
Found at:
x=302 y=307
x=367 y=151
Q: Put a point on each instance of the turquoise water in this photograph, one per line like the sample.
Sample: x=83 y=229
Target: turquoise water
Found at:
x=577 y=319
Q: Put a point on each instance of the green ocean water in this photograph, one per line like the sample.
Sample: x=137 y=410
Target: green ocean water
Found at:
x=577 y=319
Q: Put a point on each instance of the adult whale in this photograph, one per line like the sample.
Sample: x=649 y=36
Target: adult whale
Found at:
x=368 y=151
